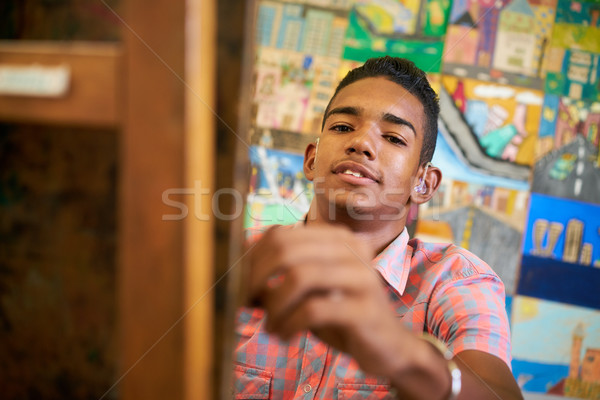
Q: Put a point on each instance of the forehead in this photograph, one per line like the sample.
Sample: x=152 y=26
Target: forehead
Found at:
x=379 y=96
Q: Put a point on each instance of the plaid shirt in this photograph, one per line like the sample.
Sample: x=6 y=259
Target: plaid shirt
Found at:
x=440 y=289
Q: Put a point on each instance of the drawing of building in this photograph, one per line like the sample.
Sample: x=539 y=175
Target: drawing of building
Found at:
x=573 y=239
x=581 y=69
x=317 y=31
x=583 y=380
x=459 y=7
x=291 y=27
x=336 y=39
x=566 y=124
x=267 y=23
x=578 y=334
x=590 y=367
x=462 y=38
x=488 y=24
x=515 y=41
x=586 y=254
x=544 y=11
x=591 y=127
x=323 y=86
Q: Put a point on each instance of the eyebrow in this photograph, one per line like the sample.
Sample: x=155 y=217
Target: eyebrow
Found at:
x=356 y=111
x=394 y=119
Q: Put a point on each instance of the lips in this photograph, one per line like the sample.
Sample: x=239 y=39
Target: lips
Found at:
x=357 y=170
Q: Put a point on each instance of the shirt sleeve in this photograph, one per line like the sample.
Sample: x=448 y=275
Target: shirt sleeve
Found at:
x=468 y=313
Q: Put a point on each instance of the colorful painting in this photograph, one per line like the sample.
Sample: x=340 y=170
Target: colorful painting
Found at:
x=279 y=193
x=564 y=230
x=503 y=119
x=568 y=163
x=571 y=370
x=412 y=29
x=469 y=215
x=572 y=67
x=499 y=41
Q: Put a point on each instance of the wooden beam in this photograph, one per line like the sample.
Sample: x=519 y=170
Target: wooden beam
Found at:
x=200 y=105
x=94 y=94
x=166 y=262
x=151 y=268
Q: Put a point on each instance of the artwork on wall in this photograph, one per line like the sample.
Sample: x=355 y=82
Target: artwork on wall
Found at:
x=468 y=215
x=572 y=66
x=503 y=41
x=568 y=163
x=539 y=365
x=279 y=193
x=503 y=119
x=413 y=29
x=564 y=230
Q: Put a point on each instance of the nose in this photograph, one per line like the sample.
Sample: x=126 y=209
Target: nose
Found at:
x=362 y=143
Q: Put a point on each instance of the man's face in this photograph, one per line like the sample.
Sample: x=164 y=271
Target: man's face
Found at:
x=368 y=154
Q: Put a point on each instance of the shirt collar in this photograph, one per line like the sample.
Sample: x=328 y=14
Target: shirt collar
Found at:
x=393 y=263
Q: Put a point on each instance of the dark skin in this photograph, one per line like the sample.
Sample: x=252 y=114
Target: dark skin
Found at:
x=318 y=277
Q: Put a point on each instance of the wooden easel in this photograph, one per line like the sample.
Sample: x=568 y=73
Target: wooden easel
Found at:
x=157 y=88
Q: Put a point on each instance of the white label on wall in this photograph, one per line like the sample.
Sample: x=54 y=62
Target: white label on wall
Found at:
x=34 y=80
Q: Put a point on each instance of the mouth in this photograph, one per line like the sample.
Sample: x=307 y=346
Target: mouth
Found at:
x=356 y=171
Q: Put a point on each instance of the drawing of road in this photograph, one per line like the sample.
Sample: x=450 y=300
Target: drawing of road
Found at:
x=464 y=142
x=569 y=172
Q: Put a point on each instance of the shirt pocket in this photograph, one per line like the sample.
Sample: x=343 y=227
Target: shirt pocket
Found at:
x=364 y=391
x=251 y=382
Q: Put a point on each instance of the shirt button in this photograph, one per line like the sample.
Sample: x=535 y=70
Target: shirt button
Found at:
x=307 y=388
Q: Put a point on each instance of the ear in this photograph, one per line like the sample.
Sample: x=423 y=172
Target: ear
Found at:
x=310 y=156
x=432 y=178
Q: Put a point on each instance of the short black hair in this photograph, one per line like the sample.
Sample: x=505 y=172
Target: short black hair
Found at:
x=406 y=74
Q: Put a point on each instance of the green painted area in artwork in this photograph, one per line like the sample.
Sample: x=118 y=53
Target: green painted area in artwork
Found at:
x=576 y=36
x=272 y=214
x=361 y=44
x=558 y=84
x=435 y=19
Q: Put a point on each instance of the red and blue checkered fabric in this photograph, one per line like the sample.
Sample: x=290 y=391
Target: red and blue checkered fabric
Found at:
x=437 y=288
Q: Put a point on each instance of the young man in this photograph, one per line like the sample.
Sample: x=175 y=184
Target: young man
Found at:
x=343 y=305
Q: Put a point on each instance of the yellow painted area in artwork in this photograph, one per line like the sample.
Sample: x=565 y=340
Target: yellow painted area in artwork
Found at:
x=378 y=16
x=509 y=103
x=524 y=309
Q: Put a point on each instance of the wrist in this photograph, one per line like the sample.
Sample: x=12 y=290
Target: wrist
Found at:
x=452 y=367
x=426 y=371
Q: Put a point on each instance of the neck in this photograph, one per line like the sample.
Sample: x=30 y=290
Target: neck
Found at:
x=376 y=233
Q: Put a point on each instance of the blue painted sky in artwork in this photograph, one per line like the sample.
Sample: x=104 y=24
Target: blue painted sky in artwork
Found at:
x=453 y=168
x=542 y=331
x=560 y=210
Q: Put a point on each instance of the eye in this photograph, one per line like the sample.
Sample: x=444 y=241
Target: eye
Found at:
x=398 y=141
x=341 y=128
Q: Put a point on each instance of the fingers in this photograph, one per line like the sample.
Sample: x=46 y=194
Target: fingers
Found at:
x=328 y=313
x=282 y=249
x=315 y=279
